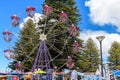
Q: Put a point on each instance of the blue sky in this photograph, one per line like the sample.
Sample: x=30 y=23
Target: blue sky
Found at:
x=87 y=23
x=7 y=9
x=96 y=20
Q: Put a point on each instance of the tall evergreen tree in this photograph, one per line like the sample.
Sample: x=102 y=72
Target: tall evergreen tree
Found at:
x=28 y=39
x=114 y=58
x=90 y=57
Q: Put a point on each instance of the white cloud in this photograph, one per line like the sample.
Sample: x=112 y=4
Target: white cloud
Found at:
x=104 y=12
x=38 y=17
x=35 y=19
x=21 y=25
x=24 y=21
x=106 y=43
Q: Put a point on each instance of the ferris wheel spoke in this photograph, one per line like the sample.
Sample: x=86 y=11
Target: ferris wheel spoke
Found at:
x=50 y=30
x=48 y=49
x=65 y=43
x=61 y=66
x=60 y=59
x=60 y=31
x=54 y=41
x=45 y=25
x=51 y=60
x=49 y=56
x=67 y=51
x=57 y=34
x=28 y=58
x=56 y=49
x=32 y=51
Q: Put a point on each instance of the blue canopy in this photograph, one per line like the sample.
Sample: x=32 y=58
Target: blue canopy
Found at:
x=117 y=72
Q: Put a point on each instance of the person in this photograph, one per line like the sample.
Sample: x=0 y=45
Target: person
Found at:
x=9 y=78
x=66 y=78
x=14 y=78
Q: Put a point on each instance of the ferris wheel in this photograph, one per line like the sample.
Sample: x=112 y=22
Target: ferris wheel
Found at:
x=54 y=36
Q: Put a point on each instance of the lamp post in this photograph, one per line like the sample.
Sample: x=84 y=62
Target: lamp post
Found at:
x=100 y=39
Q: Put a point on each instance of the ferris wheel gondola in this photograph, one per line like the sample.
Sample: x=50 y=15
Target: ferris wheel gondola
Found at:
x=7 y=36
x=63 y=17
x=15 y=20
x=30 y=11
x=74 y=30
x=47 y=10
x=9 y=54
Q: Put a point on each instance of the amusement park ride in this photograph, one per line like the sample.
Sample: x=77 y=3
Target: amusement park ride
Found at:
x=47 y=38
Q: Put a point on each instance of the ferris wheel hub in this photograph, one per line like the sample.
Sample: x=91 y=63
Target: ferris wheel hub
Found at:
x=43 y=37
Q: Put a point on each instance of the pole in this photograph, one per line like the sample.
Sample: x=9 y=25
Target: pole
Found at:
x=100 y=39
x=101 y=58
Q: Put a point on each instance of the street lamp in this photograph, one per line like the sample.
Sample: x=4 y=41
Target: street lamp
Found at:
x=100 y=39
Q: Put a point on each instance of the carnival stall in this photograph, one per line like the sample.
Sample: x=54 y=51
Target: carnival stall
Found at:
x=9 y=77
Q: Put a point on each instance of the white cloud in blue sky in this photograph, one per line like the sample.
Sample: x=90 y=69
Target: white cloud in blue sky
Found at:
x=106 y=43
x=35 y=19
x=104 y=12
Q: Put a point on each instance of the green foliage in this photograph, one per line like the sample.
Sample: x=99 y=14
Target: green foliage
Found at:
x=90 y=57
x=24 y=46
x=114 y=58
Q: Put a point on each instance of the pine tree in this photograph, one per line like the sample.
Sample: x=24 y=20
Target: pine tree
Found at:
x=90 y=57
x=28 y=39
x=114 y=58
